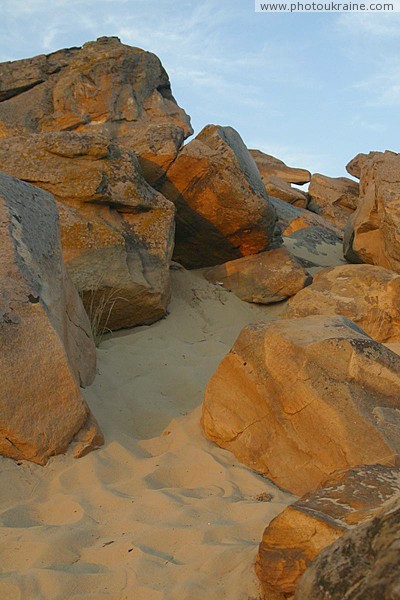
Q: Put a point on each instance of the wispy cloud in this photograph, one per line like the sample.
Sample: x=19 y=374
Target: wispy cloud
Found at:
x=371 y=23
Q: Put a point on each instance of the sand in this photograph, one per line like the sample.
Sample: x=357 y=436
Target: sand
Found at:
x=159 y=513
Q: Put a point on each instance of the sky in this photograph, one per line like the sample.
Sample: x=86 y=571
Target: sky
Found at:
x=311 y=89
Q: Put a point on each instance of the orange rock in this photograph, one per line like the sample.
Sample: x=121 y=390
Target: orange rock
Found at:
x=295 y=537
x=293 y=218
x=335 y=198
x=45 y=339
x=298 y=399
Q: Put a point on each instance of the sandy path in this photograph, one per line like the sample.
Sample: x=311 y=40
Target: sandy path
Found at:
x=159 y=512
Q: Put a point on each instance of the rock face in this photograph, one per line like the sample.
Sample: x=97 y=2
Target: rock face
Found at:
x=264 y=278
x=363 y=564
x=117 y=232
x=295 y=537
x=104 y=87
x=374 y=231
x=277 y=178
x=222 y=207
x=335 y=198
x=354 y=167
x=45 y=339
x=292 y=218
x=298 y=399
x=366 y=294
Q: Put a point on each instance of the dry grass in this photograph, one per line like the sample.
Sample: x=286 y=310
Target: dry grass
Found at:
x=99 y=305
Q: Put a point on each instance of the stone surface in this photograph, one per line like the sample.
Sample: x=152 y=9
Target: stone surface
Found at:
x=363 y=564
x=366 y=294
x=355 y=166
x=277 y=177
x=223 y=211
x=293 y=218
x=104 y=87
x=373 y=235
x=117 y=232
x=298 y=399
x=295 y=537
x=265 y=278
x=335 y=198
x=45 y=339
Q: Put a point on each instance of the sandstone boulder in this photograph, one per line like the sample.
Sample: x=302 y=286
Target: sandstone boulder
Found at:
x=104 y=87
x=117 y=232
x=293 y=218
x=295 y=537
x=265 y=278
x=335 y=198
x=299 y=399
x=366 y=294
x=354 y=167
x=363 y=564
x=222 y=207
x=45 y=339
x=278 y=177
x=373 y=235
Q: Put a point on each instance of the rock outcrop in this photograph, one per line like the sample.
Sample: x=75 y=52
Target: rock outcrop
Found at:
x=222 y=207
x=363 y=564
x=373 y=235
x=104 y=87
x=335 y=198
x=45 y=339
x=278 y=177
x=354 y=167
x=117 y=232
x=295 y=537
x=365 y=294
x=299 y=399
x=265 y=278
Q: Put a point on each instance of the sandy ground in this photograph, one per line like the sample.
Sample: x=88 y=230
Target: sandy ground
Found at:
x=159 y=513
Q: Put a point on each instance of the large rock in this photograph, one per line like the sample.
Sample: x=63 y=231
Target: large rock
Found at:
x=295 y=537
x=45 y=338
x=104 y=87
x=223 y=211
x=363 y=564
x=373 y=235
x=366 y=294
x=354 y=167
x=335 y=198
x=293 y=218
x=264 y=278
x=117 y=232
x=278 y=177
x=298 y=399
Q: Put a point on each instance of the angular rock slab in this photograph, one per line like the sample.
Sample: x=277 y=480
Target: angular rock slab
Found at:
x=295 y=537
x=45 y=338
x=222 y=207
x=104 y=87
x=366 y=294
x=117 y=232
x=265 y=278
x=335 y=198
x=299 y=399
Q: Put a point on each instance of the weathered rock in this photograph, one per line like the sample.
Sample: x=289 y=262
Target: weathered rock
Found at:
x=117 y=232
x=366 y=294
x=104 y=87
x=293 y=218
x=264 y=278
x=45 y=338
x=299 y=399
x=354 y=167
x=223 y=211
x=315 y=247
x=295 y=537
x=363 y=564
x=335 y=198
x=373 y=235
x=277 y=178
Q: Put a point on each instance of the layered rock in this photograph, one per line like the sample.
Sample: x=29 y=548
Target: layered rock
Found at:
x=117 y=232
x=104 y=87
x=373 y=233
x=222 y=207
x=45 y=339
x=363 y=564
x=278 y=177
x=264 y=278
x=295 y=537
x=335 y=198
x=366 y=294
x=298 y=399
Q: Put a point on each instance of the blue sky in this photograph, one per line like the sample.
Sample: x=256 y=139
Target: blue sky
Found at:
x=311 y=89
